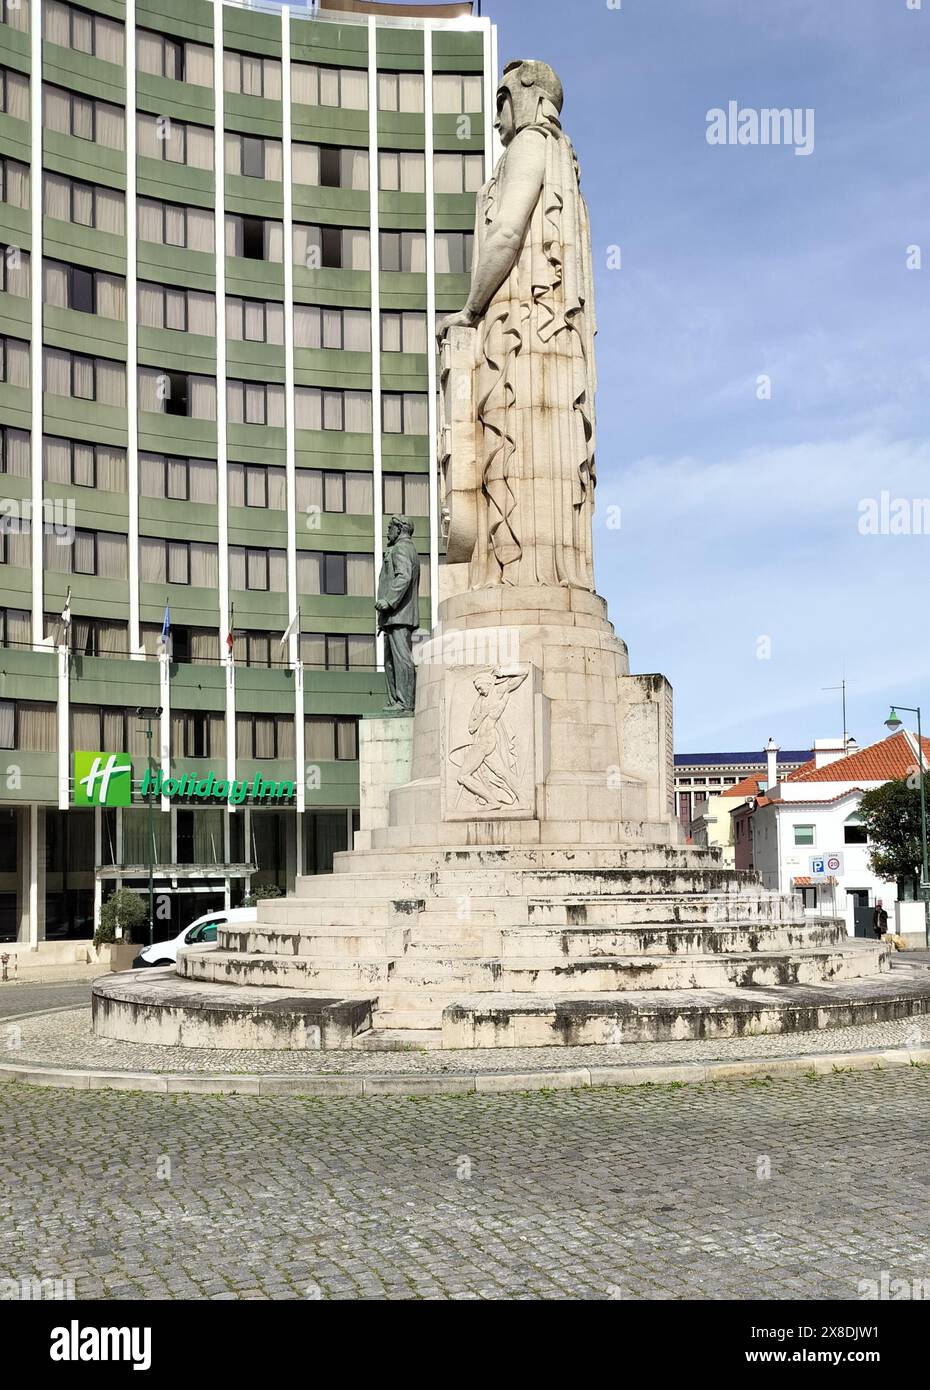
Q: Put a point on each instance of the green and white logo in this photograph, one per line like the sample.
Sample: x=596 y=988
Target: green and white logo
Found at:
x=102 y=779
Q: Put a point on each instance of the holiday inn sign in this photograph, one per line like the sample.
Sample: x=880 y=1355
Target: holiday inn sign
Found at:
x=105 y=779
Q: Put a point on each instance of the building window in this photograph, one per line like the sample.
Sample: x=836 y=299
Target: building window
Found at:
x=14 y=94
x=337 y=651
x=456 y=93
x=188 y=644
x=178 y=562
x=178 y=142
x=321 y=490
x=253 y=157
x=254 y=238
x=331 y=248
x=177 y=393
x=89 y=636
x=401 y=171
x=28 y=725
x=184 y=311
x=405 y=494
x=335 y=572
x=404 y=412
x=168 y=224
x=345 y=411
x=71 y=200
x=854 y=833
x=403 y=331
x=71 y=114
x=329 y=738
x=257 y=485
x=330 y=166
x=264 y=736
x=182 y=62
x=16 y=543
x=14 y=361
x=15 y=628
x=197 y=734
x=177 y=479
x=85 y=32
x=84 y=378
x=315 y=85
x=403 y=251
x=15 y=453
x=254 y=320
x=15 y=13
x=400 y=91
x=14 y=271
x=252 y=76
x=255 y=403
x=256 y=567
x=75 y=463
x=454 y=252
x=803 y=834
x=84 y=291
x=14 y=182
x=102 y=553
x=343 y=330
x=457 y=173
x=112 y=729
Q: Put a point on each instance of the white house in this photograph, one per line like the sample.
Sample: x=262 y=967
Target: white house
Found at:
x=802 y=833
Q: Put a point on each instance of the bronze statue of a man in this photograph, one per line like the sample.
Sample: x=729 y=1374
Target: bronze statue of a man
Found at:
x=398 y=609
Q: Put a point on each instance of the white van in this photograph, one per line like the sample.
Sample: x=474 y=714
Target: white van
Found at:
x=199 y=933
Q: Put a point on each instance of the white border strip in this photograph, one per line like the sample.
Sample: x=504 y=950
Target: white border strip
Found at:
x=132 y=336
x=36 y=365
x=375 y=262
x=222 y=491
x=431 y=385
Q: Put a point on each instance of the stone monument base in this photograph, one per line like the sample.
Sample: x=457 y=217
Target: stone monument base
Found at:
x=518 y=878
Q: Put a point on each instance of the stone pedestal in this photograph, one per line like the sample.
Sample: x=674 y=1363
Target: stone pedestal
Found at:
x=385 y=757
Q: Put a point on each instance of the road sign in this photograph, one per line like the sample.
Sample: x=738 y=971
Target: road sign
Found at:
x=826 y=865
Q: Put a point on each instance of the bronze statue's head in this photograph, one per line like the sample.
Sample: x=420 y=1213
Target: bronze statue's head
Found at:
x=399 y=526
x=529 y=93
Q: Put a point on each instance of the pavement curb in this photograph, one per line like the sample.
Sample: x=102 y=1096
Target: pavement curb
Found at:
x=459 y=1083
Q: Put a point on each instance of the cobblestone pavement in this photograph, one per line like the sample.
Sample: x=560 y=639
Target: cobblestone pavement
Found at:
x=65 y=1040
x=26 y=997
x=779 y=1189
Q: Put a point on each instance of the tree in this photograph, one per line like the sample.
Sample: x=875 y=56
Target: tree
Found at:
x=263 y=890
x=122 y=909
x=890 y=815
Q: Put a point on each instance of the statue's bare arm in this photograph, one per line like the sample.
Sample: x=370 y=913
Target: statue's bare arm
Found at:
x=519 y=194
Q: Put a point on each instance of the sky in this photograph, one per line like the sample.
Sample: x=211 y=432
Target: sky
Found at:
x=740 y=567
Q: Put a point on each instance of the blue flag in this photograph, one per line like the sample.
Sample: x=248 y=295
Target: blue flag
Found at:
x=166 y=626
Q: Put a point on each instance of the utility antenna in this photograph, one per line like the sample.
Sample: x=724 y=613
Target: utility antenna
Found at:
x=842 y=687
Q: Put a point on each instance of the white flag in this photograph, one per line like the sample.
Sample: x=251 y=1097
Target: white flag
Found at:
x=291 y=628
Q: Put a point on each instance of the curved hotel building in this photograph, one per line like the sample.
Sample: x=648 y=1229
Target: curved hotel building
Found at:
x=226 y=232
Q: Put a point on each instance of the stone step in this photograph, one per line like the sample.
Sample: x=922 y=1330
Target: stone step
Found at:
x=514 y=858
x=651 y=939
x=402 y=1039
x=498 y=1019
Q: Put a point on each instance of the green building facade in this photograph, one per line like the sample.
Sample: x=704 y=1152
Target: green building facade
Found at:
x=226 y=233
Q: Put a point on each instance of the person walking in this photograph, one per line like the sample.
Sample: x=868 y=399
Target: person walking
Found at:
x=879 y=919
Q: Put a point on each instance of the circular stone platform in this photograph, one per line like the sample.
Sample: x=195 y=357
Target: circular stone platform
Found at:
x=58 y=1048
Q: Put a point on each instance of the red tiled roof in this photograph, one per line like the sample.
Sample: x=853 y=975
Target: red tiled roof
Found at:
x=880 y=762
x=748 y=787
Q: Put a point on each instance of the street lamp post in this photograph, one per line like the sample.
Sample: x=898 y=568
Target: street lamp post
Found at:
x=894 y=724
x=148 y=715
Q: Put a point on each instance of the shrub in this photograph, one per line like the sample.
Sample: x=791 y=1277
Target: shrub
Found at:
x=122 y=909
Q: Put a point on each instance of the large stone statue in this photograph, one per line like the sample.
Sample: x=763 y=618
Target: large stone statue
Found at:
x=398 y=610
x=520 y=508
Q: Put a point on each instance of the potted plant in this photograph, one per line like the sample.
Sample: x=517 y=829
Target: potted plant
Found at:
x=122 y=917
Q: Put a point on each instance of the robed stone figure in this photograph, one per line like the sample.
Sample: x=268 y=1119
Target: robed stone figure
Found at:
x=532 y=308
x=398 y=610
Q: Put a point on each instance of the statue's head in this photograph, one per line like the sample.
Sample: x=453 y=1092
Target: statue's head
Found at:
x=529 y=93
x=483 y=682
x=399 y=526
